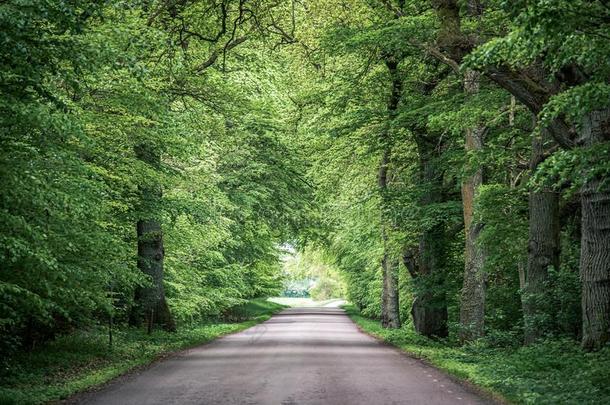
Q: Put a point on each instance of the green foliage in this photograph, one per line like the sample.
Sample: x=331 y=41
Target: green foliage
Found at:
x=258 y=145
x=314 y=272
x=65 y=246
x=82 y=359
x=504 y=236
x=252 y=309
x=84 y=86
x=549 y=372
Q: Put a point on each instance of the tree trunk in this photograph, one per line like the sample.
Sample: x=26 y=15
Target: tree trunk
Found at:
x=543 y=249
x=151 y=305
x=472 y=302
x=429 y=308
x=595 y=242
x=390 y=316
x=455 y=44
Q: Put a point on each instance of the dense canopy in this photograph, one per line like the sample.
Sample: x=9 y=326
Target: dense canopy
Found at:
x=448 y=159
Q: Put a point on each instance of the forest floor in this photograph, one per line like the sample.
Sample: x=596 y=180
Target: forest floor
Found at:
x=555 y=371
x=82 y=360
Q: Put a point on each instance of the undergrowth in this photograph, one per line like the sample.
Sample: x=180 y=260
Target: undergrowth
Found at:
x=81 y=360
x=554 y=371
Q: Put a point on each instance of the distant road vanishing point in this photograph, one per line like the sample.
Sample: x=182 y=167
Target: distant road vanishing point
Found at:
x=300 y=356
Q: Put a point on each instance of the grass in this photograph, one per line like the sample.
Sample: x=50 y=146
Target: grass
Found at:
x=555 y=371
x=82 y=360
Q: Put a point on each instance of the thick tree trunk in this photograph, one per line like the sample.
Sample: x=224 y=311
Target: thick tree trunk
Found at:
x=472 y=302
x=429 y=308
x=384 y=284
x=595 y=242
x=151 y=305
x=151 y=299
x=390 y=316
x=543 y=249
x=454 y=44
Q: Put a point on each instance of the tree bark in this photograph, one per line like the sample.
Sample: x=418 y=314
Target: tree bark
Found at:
x=595 y=242
x=390 y=316
x=543 y=249
x=531 y=89
x=472 y=302
x=455 y=44
x=429 y=308
x=151 y=305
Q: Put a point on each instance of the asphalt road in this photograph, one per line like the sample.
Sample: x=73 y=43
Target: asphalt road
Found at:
x=300 y=356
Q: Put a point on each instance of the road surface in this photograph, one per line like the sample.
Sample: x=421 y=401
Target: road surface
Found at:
x=300 y=356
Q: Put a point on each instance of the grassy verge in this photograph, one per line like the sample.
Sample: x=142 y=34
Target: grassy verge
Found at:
x=82 y=360
x=551 y=372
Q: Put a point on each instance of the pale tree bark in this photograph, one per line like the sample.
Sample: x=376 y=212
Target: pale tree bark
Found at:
x=390 y=316
x=543 y=248
x=472 y=302
x=151 y=305
x=595 y=242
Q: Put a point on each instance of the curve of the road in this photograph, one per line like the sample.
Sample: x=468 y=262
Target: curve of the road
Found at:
x=299 y=356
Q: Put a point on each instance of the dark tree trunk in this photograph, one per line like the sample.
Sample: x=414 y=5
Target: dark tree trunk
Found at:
x=595 y=242
x=151 y=299
x=390 y=316
x=532 y=90
x=151 y=305
x=429 y=308
x=543 y=249
x=472 y=302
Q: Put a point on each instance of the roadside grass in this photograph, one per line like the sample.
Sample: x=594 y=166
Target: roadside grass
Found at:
x=555 y=371
x=252 y=310
x=82 y=360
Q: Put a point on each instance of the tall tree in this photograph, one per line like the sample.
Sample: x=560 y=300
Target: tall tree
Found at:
x=546 y=63
x=452 y=45
x=390 y=316
x=472 y=303
x=427 y=260
x=595 y=245
x=543 y=246
x=150 y=300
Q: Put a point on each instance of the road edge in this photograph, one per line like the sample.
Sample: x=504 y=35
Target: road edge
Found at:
x=484 y=392
x=79 y=396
